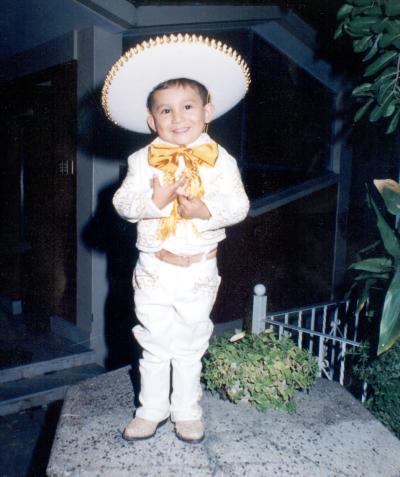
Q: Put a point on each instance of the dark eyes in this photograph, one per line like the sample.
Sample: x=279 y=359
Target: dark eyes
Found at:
x=187 y=107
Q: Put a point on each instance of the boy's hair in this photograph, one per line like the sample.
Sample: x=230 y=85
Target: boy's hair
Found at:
x=201 y=89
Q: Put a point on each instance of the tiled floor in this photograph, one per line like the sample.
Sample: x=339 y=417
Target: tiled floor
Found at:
x=26 y=439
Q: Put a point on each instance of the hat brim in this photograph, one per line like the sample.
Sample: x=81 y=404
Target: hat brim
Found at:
x=132 y=78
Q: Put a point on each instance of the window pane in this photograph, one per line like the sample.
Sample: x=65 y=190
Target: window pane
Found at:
x=289 y=115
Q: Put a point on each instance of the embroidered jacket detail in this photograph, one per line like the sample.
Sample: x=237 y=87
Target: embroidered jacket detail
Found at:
x=224 y=196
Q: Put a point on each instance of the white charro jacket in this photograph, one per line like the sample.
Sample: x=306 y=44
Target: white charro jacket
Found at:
x=224 y=196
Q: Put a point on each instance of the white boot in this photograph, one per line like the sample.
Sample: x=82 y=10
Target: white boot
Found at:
x=140 y=429
x=190 y=431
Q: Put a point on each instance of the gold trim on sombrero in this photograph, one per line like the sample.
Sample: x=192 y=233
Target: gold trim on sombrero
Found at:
x=165 y=39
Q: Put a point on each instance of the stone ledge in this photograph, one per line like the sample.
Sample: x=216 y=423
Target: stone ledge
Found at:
x=331 y=435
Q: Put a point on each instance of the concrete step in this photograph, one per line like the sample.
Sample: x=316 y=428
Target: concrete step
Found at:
x=50 y=365
x=330 y=435
x=41 y=390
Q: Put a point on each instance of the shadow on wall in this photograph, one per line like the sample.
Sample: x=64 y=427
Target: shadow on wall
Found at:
x=107 y=233
x=98 y=136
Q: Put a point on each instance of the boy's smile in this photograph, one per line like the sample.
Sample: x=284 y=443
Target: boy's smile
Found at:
x=178 y=114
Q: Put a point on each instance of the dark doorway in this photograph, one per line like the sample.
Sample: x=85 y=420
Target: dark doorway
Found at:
x=38 y=193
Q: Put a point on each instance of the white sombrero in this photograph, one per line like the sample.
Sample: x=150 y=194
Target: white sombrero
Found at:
x=131 y=79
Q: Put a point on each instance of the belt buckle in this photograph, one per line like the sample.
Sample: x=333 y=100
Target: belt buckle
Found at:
x=186 y=261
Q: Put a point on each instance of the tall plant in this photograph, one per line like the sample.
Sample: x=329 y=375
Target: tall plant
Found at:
x=383 y=271
x=374 y=27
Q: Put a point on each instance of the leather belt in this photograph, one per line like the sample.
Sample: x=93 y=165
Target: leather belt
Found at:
x=184 y=260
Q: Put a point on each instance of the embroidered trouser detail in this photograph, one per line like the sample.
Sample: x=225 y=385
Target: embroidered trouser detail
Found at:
x=173 y=306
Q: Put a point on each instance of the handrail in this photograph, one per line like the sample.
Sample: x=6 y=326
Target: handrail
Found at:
x=312 y=332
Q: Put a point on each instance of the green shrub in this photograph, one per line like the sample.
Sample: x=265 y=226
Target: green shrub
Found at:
x=261 y=369
x=383 y=376
x=374 y=28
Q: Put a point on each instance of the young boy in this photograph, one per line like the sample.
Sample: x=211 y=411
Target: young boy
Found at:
x=183 y=190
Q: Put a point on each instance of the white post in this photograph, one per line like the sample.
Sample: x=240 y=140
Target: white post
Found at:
x=259 y=309
x=321 y=356
x=364 y=394
x=312 y=324
x=343 y=358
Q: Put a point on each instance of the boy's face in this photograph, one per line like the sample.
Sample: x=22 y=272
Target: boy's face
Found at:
x=178 y=114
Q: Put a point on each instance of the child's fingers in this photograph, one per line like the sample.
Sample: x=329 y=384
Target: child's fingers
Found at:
x=183 y=181
x=181 y=186
x=182 y=200
x=177 y=184
x=181 y=191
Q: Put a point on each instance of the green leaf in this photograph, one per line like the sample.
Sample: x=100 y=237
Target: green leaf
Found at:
x=388 y=38
x=380 y=26
x=364 y=294
x=363 y=90
x=386 y=74
x=390 y=109
x=376 y=113
x=361 y=111
x=380 y=63
x=369 y=10
x=355 y=33
x=339 y=31
x=374 y=48
x=360 y=3
x=362 y=44
x=392 y=8
x=394 y=122
x=370 y=247
x=369 y=275
x=379 y=265
x=390 y=322
x=362 y=21
x=384 y=90
x=392 y=200
x=343 y=11
x=389 y=238
x=381 y=109
x=392 y=26
x=361 y=25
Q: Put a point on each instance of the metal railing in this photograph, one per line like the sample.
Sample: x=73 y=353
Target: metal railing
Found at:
x=329 y=331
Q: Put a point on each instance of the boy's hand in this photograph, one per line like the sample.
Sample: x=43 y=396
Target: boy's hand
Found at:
x=191 y=207
x=163 y=195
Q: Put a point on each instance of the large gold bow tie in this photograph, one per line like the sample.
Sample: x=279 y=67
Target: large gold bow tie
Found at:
x=166 y=158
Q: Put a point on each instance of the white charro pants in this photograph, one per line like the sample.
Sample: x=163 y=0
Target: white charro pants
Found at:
x=173 y=305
